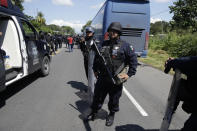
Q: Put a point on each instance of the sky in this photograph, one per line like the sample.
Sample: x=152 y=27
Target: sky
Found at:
x=76 y=13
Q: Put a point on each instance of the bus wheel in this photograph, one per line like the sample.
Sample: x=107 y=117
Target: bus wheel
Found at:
x=45 y=67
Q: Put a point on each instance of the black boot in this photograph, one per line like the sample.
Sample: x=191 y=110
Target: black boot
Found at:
x=92 y=116
x=110 y=119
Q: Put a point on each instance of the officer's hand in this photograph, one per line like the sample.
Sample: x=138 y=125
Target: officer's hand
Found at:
x=96 y=74
x=168 y=65
x=82 y=39
x=124 y=76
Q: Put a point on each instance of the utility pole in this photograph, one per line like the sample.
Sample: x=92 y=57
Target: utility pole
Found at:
x=162 y=26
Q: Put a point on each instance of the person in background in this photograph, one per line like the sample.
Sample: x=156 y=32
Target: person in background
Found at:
x=70 y=42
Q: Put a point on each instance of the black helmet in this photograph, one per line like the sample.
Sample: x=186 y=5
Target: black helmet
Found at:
x=115 y=26
x=89 y=29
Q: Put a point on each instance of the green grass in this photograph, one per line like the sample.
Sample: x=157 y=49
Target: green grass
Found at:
x=155 y=58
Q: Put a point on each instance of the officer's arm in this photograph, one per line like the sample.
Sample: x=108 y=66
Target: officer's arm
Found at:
x=97 y=60
x=96 y=64
x=82 y=46
x=187 y=65
x=131 y=60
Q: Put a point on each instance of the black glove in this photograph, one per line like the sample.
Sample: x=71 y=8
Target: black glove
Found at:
x=168 y=66
x=188 y=107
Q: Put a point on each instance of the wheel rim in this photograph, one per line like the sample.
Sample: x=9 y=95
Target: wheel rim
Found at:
x=46 y=65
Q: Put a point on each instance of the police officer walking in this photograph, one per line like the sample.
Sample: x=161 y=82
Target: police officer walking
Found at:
x=187 y=90
x=116 y=53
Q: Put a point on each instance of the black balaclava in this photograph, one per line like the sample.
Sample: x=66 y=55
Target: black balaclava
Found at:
x=87 y=38
x=114 y=41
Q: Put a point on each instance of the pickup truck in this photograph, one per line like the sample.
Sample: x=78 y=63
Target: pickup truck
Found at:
x=21 y=51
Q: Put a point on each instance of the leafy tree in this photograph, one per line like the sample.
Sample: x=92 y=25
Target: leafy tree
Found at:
x=87 y=24
x=67 y=30
x=45 y=28
x=35 y=24
x=55 y=28
x=159 y=27
x=185 y=14
x=29 y=17
x=62 y=29
x=18 y=3
x=40 y=18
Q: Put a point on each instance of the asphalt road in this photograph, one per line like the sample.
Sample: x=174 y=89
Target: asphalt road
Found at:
x=58 y=102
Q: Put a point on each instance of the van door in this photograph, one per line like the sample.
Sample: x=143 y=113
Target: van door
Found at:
x=32 y=48
x=2 y=70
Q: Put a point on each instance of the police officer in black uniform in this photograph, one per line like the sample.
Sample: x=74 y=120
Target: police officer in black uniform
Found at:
x=187 y=90
x=85 y=46
x=43 y=41
x=116 y=52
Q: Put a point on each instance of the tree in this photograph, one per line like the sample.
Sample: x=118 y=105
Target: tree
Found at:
x=87 y=24
x=185 y=14
x=62 y=29
x=55 y=28
x=160 y=27
x=40 y=18
x=18 y=3
x=67 y=30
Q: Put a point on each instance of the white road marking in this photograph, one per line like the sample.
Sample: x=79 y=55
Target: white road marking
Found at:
x=132 y=99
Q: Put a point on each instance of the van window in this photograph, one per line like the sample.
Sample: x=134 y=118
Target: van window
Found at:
x=29 y=31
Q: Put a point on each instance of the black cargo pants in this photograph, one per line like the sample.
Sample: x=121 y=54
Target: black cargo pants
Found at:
x=191 y=123
x=86 y=65
x=102 y=88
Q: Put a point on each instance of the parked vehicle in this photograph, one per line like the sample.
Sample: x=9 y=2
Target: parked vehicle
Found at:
x=134 y=16
x=21 y=51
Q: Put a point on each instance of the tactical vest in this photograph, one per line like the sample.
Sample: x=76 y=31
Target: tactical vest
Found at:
x=114 y=57
x=87 y=48
x=88 y=44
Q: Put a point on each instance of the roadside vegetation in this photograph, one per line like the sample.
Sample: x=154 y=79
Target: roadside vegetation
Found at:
x=177 y=38
x=170 y=45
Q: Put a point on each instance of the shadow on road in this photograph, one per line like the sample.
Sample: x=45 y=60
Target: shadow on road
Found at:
x=78 y=85
x=16 y=87
x=68 y=51
x=83 y=105
x=130 y=127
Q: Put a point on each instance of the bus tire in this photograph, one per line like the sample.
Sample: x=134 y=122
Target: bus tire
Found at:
x=45 y=66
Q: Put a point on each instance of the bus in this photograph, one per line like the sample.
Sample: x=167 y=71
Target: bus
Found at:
x=134 y=16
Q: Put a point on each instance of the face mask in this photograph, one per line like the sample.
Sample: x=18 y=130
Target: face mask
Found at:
x=88 y=38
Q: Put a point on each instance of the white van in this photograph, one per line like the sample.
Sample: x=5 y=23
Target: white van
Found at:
x=21 y=53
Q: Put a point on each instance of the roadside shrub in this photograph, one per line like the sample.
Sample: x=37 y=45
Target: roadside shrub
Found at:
x=185 y=46
x=174 y=44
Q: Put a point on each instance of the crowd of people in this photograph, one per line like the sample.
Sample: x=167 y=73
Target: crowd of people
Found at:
x=53 y=42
